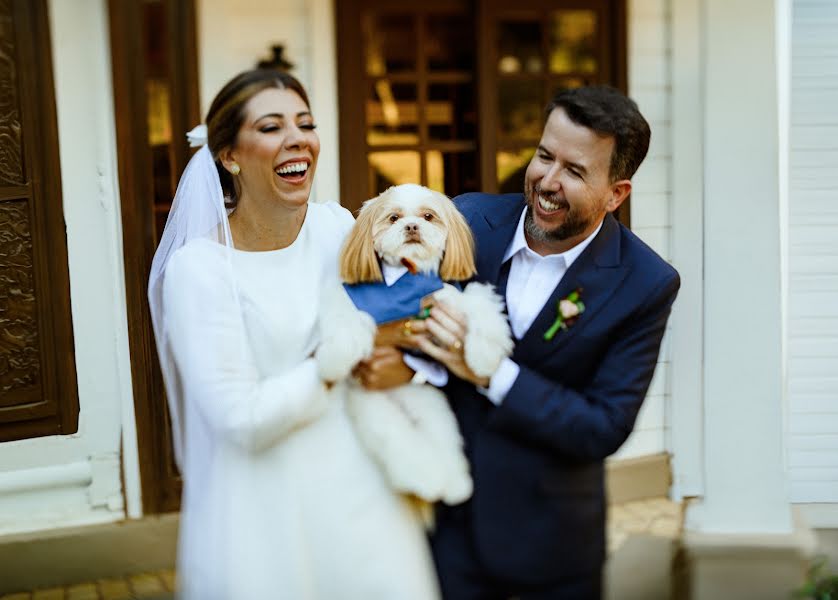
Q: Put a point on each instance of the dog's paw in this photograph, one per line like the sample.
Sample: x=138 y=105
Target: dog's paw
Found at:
x=349 y=341
x=458 y=488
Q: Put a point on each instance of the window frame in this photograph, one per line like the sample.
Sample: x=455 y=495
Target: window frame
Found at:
x=161 y=482
x=352 y=95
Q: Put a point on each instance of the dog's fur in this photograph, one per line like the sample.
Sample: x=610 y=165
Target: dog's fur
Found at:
x=410 y=431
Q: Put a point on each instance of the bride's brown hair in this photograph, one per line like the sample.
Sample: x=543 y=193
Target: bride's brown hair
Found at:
x=226 y=115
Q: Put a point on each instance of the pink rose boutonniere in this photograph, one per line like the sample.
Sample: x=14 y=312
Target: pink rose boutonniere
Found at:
x=568 y=310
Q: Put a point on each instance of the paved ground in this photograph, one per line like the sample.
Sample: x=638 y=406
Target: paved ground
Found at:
x=642 y=537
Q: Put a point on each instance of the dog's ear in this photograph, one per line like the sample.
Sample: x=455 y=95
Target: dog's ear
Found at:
x=358 y=261
x=458 y=262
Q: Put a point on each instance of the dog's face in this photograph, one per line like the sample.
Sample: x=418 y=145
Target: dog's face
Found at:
x=410 y=223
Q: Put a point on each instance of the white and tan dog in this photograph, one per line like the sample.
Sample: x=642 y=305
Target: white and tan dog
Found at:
x=410 y=430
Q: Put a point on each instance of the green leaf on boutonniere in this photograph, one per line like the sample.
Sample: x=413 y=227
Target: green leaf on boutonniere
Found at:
x=567 y=311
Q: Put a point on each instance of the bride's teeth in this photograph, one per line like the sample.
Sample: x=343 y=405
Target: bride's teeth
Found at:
x=299 y=167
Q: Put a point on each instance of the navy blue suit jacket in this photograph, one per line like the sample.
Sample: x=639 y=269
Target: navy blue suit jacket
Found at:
x=538 y=509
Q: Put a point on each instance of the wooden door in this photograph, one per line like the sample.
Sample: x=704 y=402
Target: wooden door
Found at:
x=451 y=94
x=38 y=389
x=153 y=45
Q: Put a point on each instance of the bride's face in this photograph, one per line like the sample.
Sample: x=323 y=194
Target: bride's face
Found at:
x=277 y=148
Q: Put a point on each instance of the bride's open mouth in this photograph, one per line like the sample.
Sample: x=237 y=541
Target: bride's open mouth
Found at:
x=293 y=171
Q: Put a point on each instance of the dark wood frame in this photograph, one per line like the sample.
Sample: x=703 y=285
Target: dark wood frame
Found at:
x=614 y=24
x=55 y=410
x=161 y=485
x=352 y=93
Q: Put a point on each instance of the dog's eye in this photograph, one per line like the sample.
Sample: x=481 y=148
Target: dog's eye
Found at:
x=394 y=217
x=429 y=217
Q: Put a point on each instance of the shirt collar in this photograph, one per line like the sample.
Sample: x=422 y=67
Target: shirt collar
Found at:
x=519 y=243
x=392 y=273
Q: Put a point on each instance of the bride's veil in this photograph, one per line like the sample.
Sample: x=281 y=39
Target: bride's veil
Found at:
x=198 y=211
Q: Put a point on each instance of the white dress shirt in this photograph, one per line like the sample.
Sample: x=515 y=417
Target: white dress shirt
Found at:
x=532 y=280
x=428 y=370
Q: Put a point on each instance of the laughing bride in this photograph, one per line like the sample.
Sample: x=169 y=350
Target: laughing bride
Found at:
x=279 y=498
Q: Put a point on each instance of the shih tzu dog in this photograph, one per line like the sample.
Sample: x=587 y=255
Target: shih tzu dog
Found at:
x=405 y=247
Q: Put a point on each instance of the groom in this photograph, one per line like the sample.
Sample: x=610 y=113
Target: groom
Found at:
x=588 y=304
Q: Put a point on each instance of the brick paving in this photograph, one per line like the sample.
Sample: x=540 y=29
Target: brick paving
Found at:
x=157 y=585
x=658 y=517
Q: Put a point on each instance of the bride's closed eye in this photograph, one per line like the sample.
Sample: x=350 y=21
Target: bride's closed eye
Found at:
x=272 y=128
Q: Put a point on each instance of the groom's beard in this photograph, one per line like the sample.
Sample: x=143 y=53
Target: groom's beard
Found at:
x=574 y=222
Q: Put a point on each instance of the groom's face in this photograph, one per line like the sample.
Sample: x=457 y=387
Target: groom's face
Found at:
x=567 y=185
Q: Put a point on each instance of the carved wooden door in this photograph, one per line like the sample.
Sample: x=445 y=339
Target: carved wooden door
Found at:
x=38 y=388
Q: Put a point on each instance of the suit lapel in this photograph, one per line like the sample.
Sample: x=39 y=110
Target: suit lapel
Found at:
x=498 y=229
x=598 y=273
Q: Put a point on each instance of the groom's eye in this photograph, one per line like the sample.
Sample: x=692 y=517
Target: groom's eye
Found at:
x=429 y=217
x=394 y=218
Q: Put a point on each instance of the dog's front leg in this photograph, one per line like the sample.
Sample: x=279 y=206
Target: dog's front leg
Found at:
x=347 y=335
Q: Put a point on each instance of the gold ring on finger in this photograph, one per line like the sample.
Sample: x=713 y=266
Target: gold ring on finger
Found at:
x=407 y=331
x=457 y=345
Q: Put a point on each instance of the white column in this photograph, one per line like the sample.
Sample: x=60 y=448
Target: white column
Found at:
x=744 y=383
x=687 y=243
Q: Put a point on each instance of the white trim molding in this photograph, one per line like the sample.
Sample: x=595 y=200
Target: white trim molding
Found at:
x=77 y=474
x=687 y=248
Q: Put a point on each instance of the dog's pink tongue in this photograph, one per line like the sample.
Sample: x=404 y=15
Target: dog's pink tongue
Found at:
x=410 y=266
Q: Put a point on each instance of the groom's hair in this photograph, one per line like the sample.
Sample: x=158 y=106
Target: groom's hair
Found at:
x=608 y=111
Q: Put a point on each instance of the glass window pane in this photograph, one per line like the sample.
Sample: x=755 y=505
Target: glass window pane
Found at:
x=451 y=113
x=511 y=168
x=573 y=41
x=565 y=83
x=392 y=114
x=452 y=173
x=392 y=168
x=389 y=44
x=449 y=43
x=521 y=109
x=158 y=117
x=520 y=47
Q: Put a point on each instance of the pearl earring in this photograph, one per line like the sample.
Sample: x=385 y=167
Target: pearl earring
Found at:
x=235 y=169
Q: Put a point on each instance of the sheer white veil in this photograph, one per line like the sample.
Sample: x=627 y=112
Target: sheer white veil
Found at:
x=197 y=211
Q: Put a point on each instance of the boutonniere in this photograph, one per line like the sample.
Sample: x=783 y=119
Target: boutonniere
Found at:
x=568 y=311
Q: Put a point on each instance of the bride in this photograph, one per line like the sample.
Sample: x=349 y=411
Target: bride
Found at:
x=279 y=499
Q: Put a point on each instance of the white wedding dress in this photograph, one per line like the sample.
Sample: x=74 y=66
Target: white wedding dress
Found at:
x=279 y=499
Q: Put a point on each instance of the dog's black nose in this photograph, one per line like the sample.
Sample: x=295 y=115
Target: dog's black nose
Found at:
x=411 y=228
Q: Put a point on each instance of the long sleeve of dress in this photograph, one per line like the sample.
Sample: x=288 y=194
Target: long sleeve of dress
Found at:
x=218 y=376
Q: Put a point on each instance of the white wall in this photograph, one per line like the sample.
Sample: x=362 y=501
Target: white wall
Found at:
x=813 y=257
x=69 y=480
x=650 y=85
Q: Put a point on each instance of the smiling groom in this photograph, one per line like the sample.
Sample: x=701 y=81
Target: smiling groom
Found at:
x=588 y=304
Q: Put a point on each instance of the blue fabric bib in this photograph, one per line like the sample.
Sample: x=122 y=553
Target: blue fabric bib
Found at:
x=399 y=301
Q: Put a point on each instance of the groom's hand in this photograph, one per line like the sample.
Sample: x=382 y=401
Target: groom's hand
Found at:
x=399 y=333
x=444 y=342
x=383 y=370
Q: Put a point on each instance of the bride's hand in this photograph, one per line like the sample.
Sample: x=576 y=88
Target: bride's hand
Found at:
x=383 y=370
x=400 y=333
